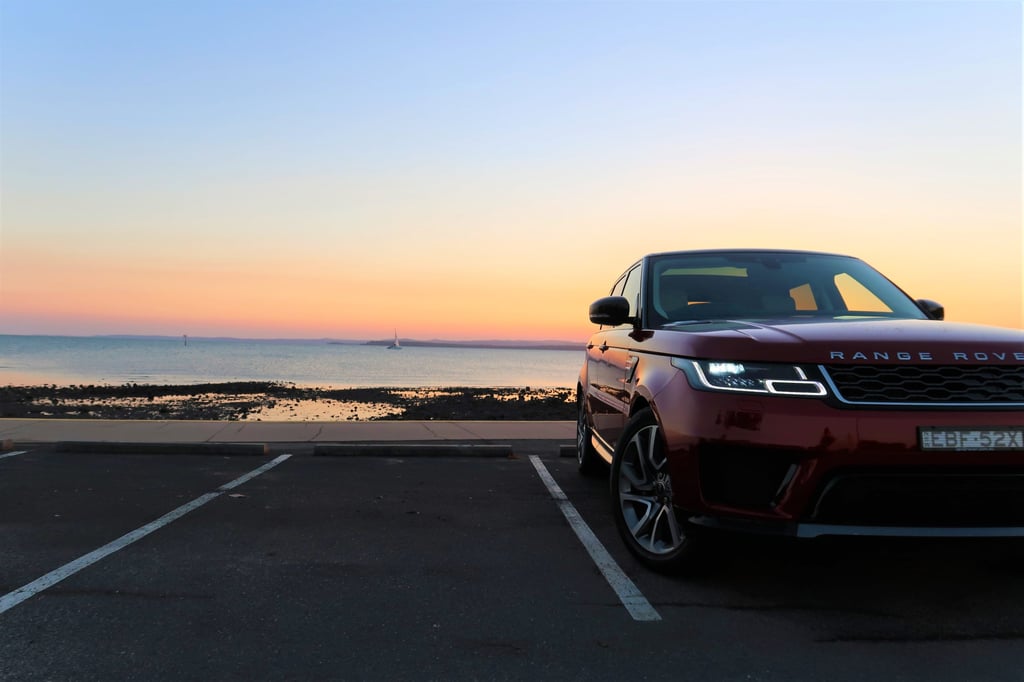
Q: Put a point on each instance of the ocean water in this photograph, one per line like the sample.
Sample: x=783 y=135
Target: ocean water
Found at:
x=68 y=360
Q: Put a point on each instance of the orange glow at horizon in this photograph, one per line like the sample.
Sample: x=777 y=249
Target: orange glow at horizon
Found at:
x=96 y=297
x=114 y=297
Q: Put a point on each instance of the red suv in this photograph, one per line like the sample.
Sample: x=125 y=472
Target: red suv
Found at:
x=795 y=393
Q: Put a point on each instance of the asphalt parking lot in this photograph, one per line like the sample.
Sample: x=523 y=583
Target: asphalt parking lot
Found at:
x=290 y=565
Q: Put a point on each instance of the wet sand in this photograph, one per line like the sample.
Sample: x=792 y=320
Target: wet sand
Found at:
x=268 y=401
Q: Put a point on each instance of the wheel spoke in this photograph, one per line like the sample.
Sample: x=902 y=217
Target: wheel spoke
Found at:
x=636 y=482
x=637 y=529
x=665 y=522
x=637 y=468
x=652 y=460
x=639 y=444
x=645 y=517
x=638 y=499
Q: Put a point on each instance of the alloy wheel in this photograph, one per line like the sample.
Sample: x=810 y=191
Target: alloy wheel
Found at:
x=645 y=493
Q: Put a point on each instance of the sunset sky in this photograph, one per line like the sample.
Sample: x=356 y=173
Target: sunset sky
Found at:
x=482 y=170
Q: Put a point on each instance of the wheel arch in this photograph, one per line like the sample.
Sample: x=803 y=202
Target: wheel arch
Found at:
x=640 y=402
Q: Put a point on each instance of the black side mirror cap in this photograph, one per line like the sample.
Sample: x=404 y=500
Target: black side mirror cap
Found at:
x=932 y=309
x=610 y=311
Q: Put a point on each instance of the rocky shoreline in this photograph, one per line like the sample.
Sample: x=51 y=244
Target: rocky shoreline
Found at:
x=272 y=401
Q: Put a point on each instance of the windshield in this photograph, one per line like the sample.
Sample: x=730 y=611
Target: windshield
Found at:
x=767 y=285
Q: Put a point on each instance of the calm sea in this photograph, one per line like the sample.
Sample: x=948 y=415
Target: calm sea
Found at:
x=66 y=360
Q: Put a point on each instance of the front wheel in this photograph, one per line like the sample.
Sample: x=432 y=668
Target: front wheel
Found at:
x=641 y=491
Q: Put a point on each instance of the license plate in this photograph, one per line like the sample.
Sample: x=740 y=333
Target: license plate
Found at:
x=972 y=438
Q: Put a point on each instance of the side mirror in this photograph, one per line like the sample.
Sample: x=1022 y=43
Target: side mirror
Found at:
x=932 y=309
x=610 y=310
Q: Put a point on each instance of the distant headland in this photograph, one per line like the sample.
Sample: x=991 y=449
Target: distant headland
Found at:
x=513 y=345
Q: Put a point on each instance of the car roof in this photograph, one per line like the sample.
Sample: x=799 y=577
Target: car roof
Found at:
x=762 y=251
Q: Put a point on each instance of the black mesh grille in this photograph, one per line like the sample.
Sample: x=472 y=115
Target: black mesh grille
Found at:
x=948 y=499
x=742 y=477
x=926 y=384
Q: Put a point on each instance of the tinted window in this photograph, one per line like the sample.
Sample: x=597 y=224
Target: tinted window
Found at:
x=858 y=297
x=738 y=285
x=632 y=290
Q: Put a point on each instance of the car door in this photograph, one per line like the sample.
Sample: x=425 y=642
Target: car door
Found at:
x=609 y=362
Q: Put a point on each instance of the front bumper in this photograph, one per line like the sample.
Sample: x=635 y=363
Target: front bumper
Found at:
x=802 y=468
x=815 y=530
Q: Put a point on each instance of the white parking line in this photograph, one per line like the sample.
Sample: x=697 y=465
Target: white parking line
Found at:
x=13 y=454
x=630 y=596
x=12 y=599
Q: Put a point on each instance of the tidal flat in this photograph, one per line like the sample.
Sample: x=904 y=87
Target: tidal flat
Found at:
x=275 y=401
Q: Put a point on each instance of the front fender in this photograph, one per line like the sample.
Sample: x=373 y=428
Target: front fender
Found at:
x=651 y=375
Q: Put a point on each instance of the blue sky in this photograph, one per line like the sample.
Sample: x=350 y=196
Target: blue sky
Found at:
x=357 y=144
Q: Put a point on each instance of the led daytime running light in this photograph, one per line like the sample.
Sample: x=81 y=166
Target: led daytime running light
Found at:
x=729 y=376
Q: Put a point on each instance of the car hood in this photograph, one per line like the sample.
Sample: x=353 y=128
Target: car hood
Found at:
x=844 y=342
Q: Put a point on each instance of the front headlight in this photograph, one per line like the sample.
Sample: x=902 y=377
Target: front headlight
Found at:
x=749 y=377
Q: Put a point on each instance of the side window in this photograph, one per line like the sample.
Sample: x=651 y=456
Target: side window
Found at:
x=857 y=297
x=631 y=290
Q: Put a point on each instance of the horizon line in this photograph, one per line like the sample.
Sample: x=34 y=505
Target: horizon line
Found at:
x=328 y=339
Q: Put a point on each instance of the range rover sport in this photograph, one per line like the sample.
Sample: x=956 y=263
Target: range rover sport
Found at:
x=796 y=393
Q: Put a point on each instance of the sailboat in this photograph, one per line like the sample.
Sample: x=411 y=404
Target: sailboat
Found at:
x=395 y=345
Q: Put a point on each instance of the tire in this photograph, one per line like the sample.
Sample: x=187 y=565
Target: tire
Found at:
x=590 y=463
x=641 y=491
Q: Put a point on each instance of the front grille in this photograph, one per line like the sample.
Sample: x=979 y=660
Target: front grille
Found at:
x=928 y=385
x=937 y=499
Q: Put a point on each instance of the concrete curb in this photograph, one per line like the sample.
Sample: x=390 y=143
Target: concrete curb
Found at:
x=122 y=448
x=412 y=450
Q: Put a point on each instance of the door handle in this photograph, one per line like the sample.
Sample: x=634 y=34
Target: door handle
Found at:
x=603 y=347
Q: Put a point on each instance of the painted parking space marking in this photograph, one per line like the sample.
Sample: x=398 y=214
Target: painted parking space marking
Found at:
x=13 y=454
x=12 y=599
x=630 y=596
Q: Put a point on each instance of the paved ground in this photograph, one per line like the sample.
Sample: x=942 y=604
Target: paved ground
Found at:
x=290 y=565
x=27 y=431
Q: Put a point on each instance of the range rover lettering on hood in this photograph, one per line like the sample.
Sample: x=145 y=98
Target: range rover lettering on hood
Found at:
x=927 y=356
